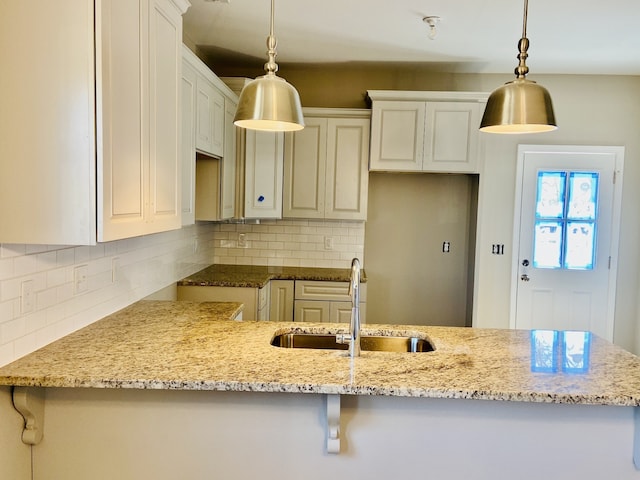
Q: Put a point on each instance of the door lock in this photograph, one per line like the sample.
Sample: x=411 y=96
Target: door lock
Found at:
x=524 y=277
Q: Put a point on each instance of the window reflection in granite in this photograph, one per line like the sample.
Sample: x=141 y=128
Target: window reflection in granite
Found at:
x=544 y=351
x=567 y=350
x=576 y=347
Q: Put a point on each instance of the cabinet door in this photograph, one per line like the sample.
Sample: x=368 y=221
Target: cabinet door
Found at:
x=347 y=175
x=123 y=120
x=312 y=311
x=340 y=312
x=451 y=138
x=228 y=185
x=305 y=170
x=165 y=66
x=281 y=308
x=47 y=118
x=263 y=174
x=397 y=135
x=188 y=147
x=210 y=118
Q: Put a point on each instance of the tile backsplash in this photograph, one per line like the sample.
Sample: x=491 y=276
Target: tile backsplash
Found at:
x=41 y=299
x=292 y=243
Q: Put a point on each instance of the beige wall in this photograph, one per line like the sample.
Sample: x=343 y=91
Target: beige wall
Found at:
x=409 y=278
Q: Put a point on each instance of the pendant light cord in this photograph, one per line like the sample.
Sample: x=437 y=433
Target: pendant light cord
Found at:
x=524 y=21
x=523 y=45
x=271 y=67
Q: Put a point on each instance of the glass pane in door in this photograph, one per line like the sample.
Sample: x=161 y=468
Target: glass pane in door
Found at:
x=579 y=246
x=551 y=194
x=547 y=244
x=583 y=190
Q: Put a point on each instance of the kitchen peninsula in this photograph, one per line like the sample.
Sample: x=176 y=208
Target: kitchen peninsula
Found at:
x=169 y=390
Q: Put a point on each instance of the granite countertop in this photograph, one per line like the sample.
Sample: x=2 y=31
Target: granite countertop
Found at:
x=255 y=276
x=193 y=346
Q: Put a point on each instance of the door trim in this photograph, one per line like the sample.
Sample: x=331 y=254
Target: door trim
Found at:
x=618 y=151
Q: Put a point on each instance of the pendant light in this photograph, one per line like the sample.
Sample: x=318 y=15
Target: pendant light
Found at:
x=519 y=106
x=269 y=102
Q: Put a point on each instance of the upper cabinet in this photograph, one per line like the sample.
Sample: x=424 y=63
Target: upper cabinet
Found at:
x=209 y=118
x=208 y=143
x=425 y=131
x=105 y=164
x=325 y=166
x=263 y=163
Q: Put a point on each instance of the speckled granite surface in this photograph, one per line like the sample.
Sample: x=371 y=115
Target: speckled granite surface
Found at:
x=193 y=346
x=258 y=276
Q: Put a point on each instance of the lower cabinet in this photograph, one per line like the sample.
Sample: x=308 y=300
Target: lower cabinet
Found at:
x=255 y=300
x=281 y=304
x=317 y=301
x=285 y=300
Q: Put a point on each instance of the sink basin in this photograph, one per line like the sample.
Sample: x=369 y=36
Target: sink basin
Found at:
x=367 y=343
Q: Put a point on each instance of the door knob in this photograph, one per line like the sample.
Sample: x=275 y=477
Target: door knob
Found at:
x=525 y=263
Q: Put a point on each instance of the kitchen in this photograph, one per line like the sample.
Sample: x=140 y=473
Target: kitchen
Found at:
x=146 y=264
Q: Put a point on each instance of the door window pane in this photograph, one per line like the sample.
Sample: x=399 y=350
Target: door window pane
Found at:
x=566 y=220
x=547 y=244
x=583 y=189
x=579 y=246
x=550 y=197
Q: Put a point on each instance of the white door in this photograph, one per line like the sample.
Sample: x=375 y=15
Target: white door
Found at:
x=566 y=236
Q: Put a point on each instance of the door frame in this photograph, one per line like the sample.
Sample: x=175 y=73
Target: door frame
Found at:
x=618 y=151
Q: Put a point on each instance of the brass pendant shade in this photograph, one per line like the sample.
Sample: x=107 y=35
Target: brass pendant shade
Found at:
x=270 y=103
x=519 y=106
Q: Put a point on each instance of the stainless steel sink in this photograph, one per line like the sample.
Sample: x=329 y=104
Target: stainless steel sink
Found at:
x=367 y=343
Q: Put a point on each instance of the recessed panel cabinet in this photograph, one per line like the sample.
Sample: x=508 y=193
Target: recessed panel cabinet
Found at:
x=325 y=169
x=425 y=131
x=209 y=143
x=103 y=98
x=320 y=301
x=263 y=163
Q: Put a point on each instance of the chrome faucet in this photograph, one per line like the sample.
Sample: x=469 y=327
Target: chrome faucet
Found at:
x=353 y=337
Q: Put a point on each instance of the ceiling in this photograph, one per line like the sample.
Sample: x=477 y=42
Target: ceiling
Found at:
x=567 y=36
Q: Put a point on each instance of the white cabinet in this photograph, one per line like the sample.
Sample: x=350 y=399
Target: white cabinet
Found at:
x=319 y=301
x=325 y=172
x=103 y=99
x=255 y=300
x=188 y=157
x=229 y=162
x=209 y=118
x=138 y=74
x=263 y=164
x=281 y=304
x=425 y=131
x=207 y=124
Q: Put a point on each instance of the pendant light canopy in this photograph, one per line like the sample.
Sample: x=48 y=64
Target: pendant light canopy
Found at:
x=269 y=102
x=519 y=106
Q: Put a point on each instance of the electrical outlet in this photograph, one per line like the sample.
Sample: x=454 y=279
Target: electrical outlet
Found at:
x=328 y=243
x=446 y=247
x=242 y=240
x=115 y=267
x=81 y=279
x=27 y=297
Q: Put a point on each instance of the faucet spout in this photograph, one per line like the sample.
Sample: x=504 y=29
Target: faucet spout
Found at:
x=353 y=337
x=354 y=291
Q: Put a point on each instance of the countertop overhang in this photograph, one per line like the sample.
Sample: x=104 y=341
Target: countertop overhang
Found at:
x=194 y=346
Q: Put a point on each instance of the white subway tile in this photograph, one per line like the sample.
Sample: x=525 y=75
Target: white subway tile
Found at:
x=6 y=268
x=10 y=250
